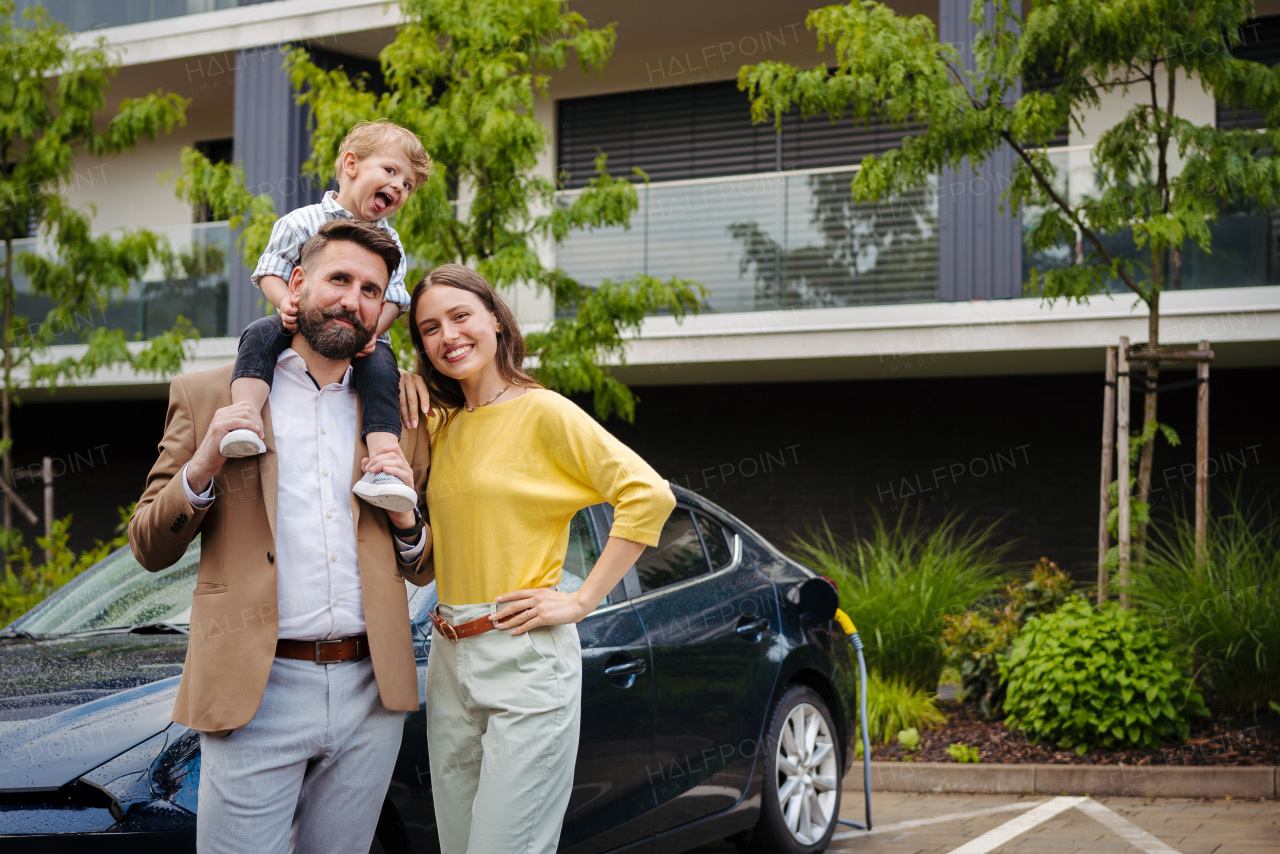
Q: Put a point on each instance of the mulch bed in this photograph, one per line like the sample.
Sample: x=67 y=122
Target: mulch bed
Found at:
x=1217 y=740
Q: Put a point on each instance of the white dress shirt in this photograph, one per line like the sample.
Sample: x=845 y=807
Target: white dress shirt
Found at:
x=317 y=570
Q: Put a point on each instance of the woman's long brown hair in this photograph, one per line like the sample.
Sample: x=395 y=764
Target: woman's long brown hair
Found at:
x=509 y=358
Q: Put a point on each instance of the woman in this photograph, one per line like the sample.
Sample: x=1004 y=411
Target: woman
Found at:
x=511 y=464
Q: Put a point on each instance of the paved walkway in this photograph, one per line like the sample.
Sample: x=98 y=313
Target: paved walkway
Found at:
x=908 y=823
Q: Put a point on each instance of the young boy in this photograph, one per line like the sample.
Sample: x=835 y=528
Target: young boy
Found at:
x=378 y=166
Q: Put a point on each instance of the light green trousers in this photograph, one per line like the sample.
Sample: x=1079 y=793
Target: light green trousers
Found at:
x=502 y=730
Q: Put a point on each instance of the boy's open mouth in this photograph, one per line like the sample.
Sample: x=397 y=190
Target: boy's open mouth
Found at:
x=381 y=201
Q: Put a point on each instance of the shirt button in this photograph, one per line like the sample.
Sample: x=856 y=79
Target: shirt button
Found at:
x=329 y=514
x=335 y=603
x=324 y=429
x=325 y=472
x=333 y=557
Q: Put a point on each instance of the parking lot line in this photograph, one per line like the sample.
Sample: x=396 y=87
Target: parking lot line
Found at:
x=936 y=819
x=1044 y=825
x=1014 y=828
x=1124 y=828
x=909 y=824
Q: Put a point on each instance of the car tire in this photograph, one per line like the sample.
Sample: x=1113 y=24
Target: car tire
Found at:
x=800 y=799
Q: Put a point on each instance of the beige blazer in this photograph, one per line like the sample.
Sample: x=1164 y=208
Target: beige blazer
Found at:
x=234 y=611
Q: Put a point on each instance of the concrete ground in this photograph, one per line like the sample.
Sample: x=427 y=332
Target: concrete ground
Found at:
x=908 y=823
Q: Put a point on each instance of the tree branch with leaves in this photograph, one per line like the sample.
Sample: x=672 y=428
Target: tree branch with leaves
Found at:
x=1160 y=177
x=465 y=76
x=52 y=110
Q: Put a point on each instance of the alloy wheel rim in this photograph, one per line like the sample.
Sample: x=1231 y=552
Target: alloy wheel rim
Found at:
x=807 y=774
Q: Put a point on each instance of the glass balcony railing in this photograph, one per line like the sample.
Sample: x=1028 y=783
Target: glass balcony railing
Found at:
x=771 y=241
x=80 y=15
x=1245 y=242
x=194 y=284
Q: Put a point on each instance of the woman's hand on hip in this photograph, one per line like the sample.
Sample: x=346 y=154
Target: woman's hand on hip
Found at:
x=543 y=606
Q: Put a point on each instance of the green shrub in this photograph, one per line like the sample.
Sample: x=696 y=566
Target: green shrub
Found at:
x=894 y=706
x=977 y=640
x=1081 y=678
x=974 y=645
x=1223 y=609
x=898 y=585
x=963 y=753
x=23 y=589
x=909 y=739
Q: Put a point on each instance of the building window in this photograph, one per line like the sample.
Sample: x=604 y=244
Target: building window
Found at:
x=701 y=131
x=1259 y=42
x=762 y=218
x=217 y=151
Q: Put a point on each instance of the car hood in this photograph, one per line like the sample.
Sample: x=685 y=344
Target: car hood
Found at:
x=68 y=704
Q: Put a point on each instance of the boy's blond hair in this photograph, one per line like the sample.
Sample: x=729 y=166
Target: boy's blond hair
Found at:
x=366 y=138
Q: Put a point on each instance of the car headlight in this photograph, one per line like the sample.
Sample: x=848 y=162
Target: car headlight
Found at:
x=165 y=767
x=175 y=775
x=126 y=779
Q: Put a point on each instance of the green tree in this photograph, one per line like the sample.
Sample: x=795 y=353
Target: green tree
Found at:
x=1161 y=178
x=465 y=75
x=53 y=98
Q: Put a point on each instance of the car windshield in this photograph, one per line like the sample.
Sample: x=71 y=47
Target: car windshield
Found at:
x=117 y=593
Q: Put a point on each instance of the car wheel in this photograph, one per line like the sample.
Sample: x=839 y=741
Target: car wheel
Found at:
x=800 y=801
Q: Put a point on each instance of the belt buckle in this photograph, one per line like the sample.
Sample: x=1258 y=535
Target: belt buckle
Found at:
x=327 y=642
x=445 y=629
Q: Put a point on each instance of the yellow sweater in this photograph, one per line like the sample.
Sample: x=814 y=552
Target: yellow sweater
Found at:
x=505 y=482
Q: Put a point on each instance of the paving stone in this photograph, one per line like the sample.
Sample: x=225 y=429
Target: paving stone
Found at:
x=1245 y=828
x=1163 y=817
x=1042 y=843
x=1175 y=827
x=1193 y=845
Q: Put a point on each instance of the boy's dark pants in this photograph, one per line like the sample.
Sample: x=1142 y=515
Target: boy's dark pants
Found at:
x=377 y=376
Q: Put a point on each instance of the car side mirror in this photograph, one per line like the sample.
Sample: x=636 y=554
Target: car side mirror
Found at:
x=818 y=600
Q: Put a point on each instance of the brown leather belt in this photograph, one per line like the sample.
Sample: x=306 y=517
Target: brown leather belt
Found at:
x=462 y=630
x=324 y=651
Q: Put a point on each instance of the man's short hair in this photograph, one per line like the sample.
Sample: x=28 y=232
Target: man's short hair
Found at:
x=368 y=138
x=363 y=234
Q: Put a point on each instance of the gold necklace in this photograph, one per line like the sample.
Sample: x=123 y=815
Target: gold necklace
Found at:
x=489 y=401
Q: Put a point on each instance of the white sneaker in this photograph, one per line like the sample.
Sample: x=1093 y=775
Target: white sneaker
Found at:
x=241 y=443
x=386 y=491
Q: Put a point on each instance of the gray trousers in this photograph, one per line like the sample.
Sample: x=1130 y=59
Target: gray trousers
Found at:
x=308 y=773
x=502 y=731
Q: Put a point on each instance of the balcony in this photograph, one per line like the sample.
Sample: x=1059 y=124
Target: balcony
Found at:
x=770 y=241
x=787 y=240
x=758 y=243
x=82 y=15
x=194 y=285
x=1245 y=247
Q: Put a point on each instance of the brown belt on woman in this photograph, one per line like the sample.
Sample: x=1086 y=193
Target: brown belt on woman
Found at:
x=462 y=630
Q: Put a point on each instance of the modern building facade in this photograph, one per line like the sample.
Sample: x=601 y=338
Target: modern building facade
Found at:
x=849 y=360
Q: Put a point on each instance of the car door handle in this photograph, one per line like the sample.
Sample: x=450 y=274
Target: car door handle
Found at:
x=754 y=627
x=627 y=668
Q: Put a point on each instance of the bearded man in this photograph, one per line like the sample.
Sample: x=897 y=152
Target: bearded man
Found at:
x=300 y=665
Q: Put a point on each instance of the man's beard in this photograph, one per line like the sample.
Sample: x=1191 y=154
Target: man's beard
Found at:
x=331 y=340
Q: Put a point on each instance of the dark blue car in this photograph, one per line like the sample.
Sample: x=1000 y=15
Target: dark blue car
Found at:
x=713 y=707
